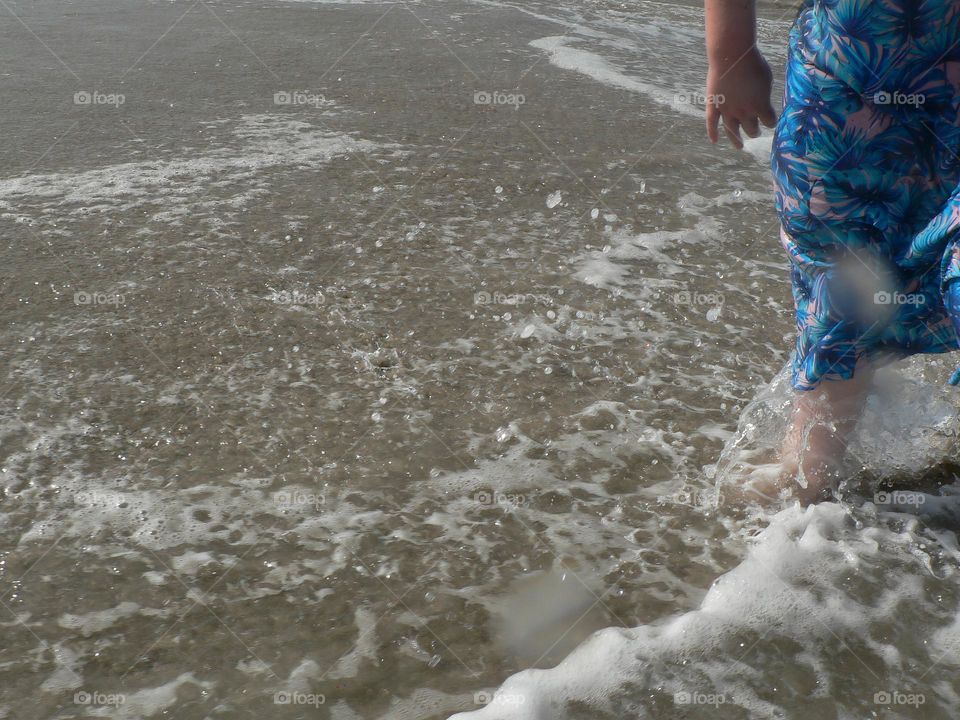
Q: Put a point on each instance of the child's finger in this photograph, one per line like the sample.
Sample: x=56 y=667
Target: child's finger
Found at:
x=768 y=117
x=732 y=128
x=751 y=127
x=713 y=119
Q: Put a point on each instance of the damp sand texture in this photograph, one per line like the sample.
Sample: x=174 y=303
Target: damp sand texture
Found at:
x=362 y=358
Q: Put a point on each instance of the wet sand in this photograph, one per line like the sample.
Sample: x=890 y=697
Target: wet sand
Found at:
x=322 y=343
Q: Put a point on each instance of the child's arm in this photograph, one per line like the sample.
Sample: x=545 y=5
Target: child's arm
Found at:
x=739 y=79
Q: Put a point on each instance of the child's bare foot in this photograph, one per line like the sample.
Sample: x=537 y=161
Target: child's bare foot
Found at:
x=816 y=440
x=809 y=479
x=807 y=466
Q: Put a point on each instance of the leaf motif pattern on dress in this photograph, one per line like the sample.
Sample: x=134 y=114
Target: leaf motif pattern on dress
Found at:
x=866 y=159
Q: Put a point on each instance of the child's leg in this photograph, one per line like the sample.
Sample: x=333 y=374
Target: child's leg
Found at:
x=813 y=446
x=816 y=438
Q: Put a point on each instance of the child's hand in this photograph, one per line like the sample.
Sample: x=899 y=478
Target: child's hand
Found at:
x=738 y=93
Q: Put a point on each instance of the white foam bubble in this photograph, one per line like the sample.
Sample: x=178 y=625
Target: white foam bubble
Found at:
x=180 y=185
x=790 y=588
x=760 y=146
x=613 y=266
x=600 y=69
x=365 y=648
x=149 y=701
x=98 y=620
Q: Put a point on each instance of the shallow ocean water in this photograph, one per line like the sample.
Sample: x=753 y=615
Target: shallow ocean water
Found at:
x=367 y=358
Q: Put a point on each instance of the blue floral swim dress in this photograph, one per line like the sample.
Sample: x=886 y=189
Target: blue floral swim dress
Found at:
x=866 y=166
